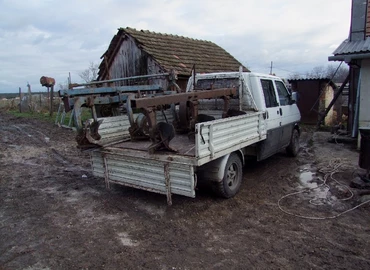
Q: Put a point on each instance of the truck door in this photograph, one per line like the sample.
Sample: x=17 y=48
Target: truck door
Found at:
x=273 y=120
x=288 y=111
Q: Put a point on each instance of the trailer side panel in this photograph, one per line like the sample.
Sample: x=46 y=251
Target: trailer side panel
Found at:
x=148 y=174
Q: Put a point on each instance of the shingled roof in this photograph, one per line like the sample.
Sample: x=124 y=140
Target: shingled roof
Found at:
x=175 y=52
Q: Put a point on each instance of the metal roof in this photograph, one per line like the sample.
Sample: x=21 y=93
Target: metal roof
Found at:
x=310 y=79
x=353 y=47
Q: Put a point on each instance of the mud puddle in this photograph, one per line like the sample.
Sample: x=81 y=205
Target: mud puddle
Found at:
x=314 y=186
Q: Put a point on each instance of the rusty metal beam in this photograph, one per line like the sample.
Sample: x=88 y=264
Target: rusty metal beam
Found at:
x=120 y=79
x=108 y=90
x=181 y=97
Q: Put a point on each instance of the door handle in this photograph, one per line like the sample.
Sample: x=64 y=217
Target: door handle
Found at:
x=281 y=111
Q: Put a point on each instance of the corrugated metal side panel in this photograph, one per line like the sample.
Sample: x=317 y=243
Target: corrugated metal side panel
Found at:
x=97 y=163
x=144 y=174
x=116 y=128
x=219 y=135
x=161 y=118
x=113 y=129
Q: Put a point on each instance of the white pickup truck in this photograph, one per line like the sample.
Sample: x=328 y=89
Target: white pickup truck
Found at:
x=262 y=119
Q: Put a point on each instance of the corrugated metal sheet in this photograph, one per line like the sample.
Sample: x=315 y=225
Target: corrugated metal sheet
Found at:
x=215 y=137
x=352 y=47
x=310 y=79
x=114 y=129
x=144 y=174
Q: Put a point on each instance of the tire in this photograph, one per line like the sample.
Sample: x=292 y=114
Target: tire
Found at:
x=232 y=179
x=293 y=147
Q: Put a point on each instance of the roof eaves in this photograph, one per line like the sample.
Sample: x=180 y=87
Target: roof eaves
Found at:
x=353 y=47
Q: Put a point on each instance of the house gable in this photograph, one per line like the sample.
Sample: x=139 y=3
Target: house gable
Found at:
x=167 y=51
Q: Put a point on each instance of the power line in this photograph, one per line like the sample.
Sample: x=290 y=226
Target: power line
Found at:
x=295 y=72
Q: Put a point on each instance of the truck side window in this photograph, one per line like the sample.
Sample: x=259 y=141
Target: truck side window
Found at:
x=269 y=93
x=283 y=93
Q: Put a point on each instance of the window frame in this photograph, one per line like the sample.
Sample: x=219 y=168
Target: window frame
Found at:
x=270 y=93
x=284 y=98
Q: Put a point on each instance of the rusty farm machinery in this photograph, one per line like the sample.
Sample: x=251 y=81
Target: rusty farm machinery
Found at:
x=140 y=106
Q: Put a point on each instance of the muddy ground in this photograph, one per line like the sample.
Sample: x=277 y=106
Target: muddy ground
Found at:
x=55 y=215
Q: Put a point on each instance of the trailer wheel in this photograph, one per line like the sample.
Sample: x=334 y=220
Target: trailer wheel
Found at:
x=293 y=147
x=233 y=176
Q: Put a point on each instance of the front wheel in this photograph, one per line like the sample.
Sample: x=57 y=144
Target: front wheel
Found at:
x=293 y=147
x=232 y=179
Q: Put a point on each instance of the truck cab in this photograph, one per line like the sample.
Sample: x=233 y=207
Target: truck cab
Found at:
x=256 y=93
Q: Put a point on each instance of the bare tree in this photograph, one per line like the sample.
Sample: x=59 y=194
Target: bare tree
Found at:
x=295 y=76
x=90 y=74
x=317 y=72
x=337 y=74
x=63 y=85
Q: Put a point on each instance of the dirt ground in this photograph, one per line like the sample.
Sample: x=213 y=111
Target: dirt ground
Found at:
x=55 y=215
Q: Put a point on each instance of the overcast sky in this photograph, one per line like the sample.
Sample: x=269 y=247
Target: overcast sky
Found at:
x=53 y=38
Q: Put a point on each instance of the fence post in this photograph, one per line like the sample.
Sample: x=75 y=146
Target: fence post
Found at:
x=20 y=100
x=51 y=99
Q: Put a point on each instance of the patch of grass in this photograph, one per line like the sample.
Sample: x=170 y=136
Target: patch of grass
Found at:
x=45 y=116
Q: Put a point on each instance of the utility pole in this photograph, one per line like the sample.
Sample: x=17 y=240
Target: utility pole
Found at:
x=271 y=68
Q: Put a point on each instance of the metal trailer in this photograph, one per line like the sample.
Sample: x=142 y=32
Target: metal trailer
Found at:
x=129 y=163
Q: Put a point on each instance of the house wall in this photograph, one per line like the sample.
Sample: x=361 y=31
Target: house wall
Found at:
x=331 y=118
x=364 y=114
x=130 y=61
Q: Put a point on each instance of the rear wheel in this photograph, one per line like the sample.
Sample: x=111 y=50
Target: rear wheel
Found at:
x=232 y=179
x=293 y=147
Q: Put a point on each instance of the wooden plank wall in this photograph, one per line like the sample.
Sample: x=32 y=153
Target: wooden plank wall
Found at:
x=130 y=61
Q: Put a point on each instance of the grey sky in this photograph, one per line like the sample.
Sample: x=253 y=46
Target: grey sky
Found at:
x=52 y=38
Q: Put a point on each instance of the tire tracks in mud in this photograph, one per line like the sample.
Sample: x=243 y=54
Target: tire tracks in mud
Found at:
x=25 y=129
x=41 y=140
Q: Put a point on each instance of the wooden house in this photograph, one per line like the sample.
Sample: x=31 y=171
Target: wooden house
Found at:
x=133 y=52
x=355 y=51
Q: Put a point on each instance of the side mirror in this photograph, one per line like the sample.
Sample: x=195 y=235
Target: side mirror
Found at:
x=294 y=98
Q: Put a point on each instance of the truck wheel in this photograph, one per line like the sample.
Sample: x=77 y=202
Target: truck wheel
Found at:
x=293 y=147
x=232 y=180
